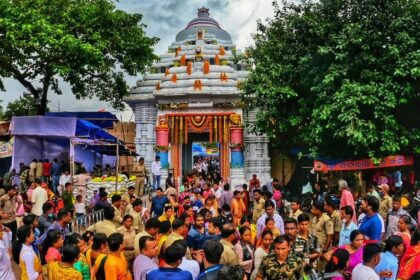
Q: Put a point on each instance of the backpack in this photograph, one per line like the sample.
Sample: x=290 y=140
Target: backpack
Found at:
x=100 y=273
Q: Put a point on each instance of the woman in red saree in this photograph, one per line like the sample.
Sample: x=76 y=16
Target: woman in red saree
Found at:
x=410 y=262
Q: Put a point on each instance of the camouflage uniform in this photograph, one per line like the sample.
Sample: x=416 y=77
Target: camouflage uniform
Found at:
x=303 y=248
x=271 y=269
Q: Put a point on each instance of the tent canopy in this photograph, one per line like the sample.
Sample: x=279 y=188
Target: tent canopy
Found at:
x=101 y=119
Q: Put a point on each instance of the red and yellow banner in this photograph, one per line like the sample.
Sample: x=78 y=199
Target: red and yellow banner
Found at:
x=390 y=161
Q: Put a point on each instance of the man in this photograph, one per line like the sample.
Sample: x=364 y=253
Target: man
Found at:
x=55 y=175
x=65 y=178
x=215 y=229
x=178 y=230
x=126 y=197
x=394 y=215
x=118 y=206
x=306 y=245
x=257 y=205
x=38 y=198
x=295 y=206
x=47 y=218
x=254 y=183
x=7 y=178
x=32 y=171
x=197 y=202
x=158 y=203
x=217 y=193
x=281 y=264
x=170 y=190
x=371 y=258
x=370 y=191
x=9 y=205
x=139 y=214
x=238 y=207
x=64 y=219
x=80 y=182
x=102 y=201
x=347 y=226
x=140 y=171
x=168 y=215
x=173 y=258
x=322 y=226
x=330 y=209
x=116 y=266
x=156 y=169
x=385 y=201
x=212 y=254
x=228 y=237
x=227 y=196
x=145 y=261
x=269 y=212
x=388 y=265
x=371 y=225
x=106 y=226
x=38 y=171
x=346 y=198
x=198 y=234
x=67 y=196
x=151 y=229
x=46 y=170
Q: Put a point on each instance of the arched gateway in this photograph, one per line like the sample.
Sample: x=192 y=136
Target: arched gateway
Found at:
x=191 y=96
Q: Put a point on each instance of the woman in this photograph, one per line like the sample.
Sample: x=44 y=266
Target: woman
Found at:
x=262 y=251
x=6 y=271
x=336 y=265
x=128 y=233
x=403 y=231
x=81 y=265
x=25 y=256
x=410 y=262
x=244 y=250
x=64 y=270
x=98 y=250
x=246 y=221
x=52 y=245
x=355 y=249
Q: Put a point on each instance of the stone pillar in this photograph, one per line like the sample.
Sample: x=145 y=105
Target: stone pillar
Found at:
x=257 y=160
x=237 y=164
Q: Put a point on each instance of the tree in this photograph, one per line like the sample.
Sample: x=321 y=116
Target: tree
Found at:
x=24 y=106
x=89 y=44
x=339 y=78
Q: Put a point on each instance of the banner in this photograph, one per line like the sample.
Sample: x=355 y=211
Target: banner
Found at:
x=6 y=148
x=390 y=161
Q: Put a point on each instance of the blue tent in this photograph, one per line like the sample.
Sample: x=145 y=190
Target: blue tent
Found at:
x=101 y=119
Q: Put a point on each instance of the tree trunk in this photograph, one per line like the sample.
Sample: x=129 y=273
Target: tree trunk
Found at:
x=42 y=106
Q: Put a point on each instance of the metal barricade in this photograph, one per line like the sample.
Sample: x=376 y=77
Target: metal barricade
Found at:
x=80 y=224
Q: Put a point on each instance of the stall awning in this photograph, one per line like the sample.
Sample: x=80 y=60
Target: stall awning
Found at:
x=101 y=119
x=390 y=161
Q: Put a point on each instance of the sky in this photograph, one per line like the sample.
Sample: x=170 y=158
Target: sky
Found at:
x=164 y=19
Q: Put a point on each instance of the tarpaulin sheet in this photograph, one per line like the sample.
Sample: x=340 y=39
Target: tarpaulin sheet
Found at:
x=44 y=126
x=101 y=119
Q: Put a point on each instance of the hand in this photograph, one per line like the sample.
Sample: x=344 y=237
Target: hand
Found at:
x=198 y=255
x=385 y=274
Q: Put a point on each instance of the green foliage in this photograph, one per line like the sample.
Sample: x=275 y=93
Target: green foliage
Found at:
x=339 y=78
x=89 y=44
x=24 y=106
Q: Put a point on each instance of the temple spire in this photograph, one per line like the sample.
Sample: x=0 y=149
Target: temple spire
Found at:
x=203 y=12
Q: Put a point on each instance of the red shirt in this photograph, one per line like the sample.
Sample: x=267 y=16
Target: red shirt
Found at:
x=46 y=168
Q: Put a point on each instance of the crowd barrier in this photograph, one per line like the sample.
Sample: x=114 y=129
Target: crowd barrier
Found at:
x=80 y=224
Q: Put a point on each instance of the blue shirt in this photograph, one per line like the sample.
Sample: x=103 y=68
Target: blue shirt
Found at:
x=169 y=273
x=196 y=239
x=371 y=227
x=388 y=262
x=158 y=204
x=55 y=169
x=210 y=273
x=345 y=233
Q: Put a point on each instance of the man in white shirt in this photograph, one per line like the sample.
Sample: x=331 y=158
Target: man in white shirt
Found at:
x=145 y=262
x=156 y=167
x=39 y=197
x=371 y=257
x=64 y=178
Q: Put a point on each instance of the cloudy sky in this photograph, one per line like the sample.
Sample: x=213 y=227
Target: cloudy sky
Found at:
x=164 y=19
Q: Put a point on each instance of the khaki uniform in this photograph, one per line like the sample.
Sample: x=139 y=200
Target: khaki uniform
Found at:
x=258 y=210
x=228 y=256
x=136 y=241
x=118 y=219
x=295 y=215
x=336 y=219
x=321 y=228
x=140 y=171
x=128 y=237
x=138 y=224
x=271 y=269
x=385 y=205
x=107 y=227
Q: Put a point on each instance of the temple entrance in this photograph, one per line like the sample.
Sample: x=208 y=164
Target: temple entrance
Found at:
x=200 y=154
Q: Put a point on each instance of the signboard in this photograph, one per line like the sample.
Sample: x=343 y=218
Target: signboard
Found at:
x=390 y=161
x=6 y=148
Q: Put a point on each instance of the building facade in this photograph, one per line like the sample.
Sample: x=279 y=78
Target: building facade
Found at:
x=192 y=94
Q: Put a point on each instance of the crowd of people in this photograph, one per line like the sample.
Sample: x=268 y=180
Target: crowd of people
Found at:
x=205 y=230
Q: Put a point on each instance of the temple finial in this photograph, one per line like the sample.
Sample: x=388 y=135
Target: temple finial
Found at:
x=203 y=12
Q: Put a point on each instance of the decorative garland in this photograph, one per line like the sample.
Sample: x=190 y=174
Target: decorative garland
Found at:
x=158 y=148
x=179 y=106
x=237 y=146
x=229 y=105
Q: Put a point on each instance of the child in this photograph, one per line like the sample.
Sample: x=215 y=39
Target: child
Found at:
x=80 y=209
x=270 y=225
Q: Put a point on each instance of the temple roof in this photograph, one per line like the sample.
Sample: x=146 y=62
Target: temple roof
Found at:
x=205 y=22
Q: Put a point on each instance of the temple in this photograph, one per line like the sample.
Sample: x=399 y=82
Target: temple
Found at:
x=192 y=95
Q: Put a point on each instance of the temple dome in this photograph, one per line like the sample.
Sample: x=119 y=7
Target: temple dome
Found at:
x=206 y=23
